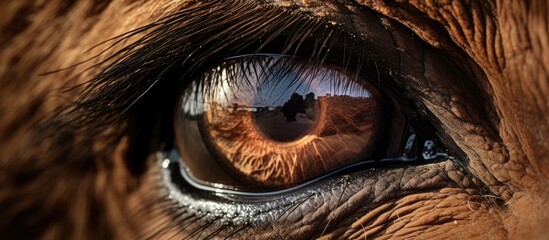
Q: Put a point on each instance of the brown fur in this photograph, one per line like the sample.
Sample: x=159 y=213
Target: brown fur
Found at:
x=55 y=184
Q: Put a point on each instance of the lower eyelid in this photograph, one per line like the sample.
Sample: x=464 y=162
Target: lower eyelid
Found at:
x=331 y=198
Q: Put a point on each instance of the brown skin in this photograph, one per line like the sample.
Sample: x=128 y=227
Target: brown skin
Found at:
x=54 y=184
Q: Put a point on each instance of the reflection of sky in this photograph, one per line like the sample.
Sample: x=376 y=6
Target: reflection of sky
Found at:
x=276 y=94
x=272 y=86
x=270 y=90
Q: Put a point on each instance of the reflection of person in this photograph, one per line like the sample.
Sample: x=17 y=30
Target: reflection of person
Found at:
x=309 y=100
x=235 y=107
x=295 y=105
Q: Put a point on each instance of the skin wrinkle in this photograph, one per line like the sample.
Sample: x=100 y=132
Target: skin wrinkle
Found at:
x=340 y=214
x=455 y=94
x=476 y=54
x=509 y=113
x=518 y=84
x=401 y=219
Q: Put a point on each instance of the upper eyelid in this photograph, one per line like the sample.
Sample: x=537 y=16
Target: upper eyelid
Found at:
x=133 y=71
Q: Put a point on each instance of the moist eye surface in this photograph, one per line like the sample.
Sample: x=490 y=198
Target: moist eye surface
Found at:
x=271 y=122
x=232 y=130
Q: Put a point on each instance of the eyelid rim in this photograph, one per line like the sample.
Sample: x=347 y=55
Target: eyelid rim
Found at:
x=172 y=156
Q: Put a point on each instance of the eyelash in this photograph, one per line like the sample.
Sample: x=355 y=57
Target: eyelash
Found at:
x=136 y=92
x=126 y=79
x=134 y=76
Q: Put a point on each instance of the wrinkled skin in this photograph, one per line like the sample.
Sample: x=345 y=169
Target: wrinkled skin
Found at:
x=56 y=185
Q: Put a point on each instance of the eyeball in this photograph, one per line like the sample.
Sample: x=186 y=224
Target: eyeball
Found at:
x=273 y=122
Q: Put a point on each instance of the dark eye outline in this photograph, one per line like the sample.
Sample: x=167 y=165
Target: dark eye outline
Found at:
x=405 y=151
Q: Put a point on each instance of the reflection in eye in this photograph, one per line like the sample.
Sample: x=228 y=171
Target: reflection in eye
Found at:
x=273 y=122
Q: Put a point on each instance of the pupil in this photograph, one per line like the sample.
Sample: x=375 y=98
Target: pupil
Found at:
x=289 y=121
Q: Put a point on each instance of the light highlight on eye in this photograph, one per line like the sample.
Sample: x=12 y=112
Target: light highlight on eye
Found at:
x=272 y=122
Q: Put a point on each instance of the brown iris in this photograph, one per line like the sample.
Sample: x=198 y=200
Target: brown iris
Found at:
x=270 y=122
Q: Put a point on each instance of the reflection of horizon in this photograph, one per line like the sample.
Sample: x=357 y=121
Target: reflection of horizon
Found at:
x=256 y=107
x=260 y=108
x=314 y=97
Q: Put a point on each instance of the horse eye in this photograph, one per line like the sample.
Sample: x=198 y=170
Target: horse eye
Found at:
x=261 y=123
